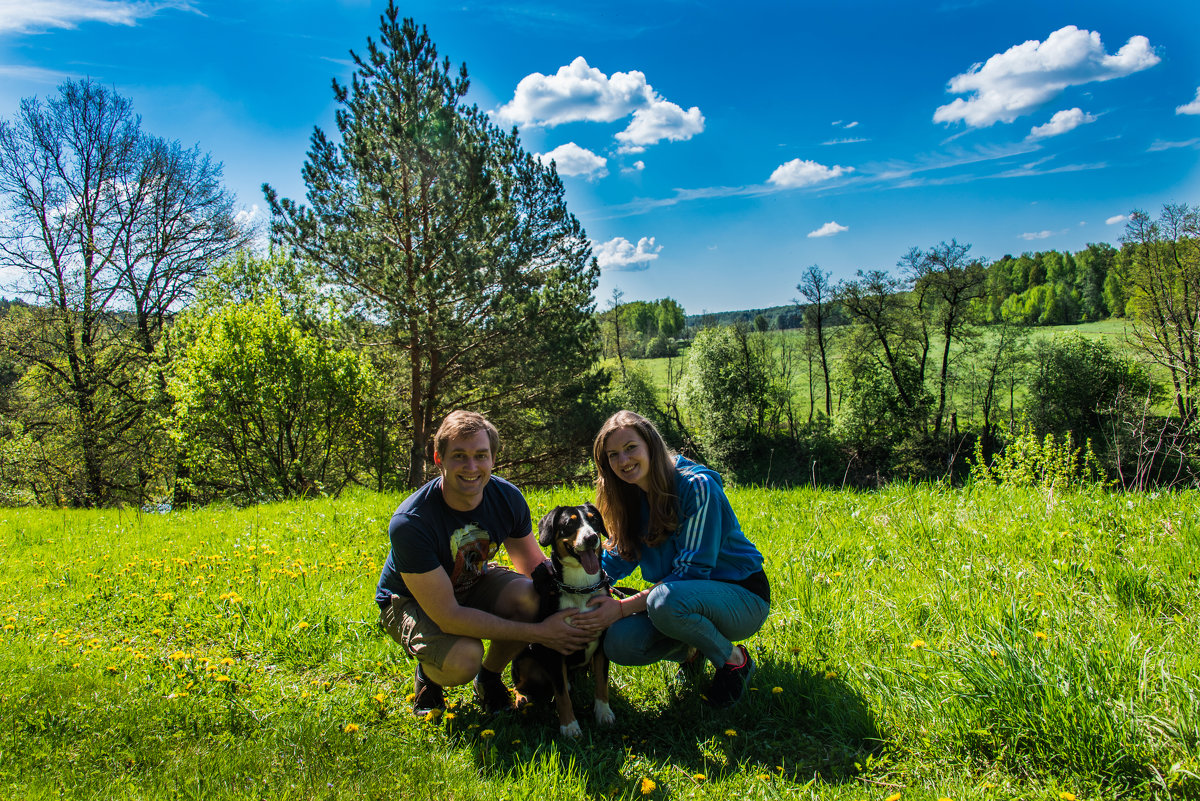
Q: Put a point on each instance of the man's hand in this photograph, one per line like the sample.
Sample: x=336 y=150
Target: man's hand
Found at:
x=555 y=632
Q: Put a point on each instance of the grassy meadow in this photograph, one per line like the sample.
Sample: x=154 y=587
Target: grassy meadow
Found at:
x=924 y=643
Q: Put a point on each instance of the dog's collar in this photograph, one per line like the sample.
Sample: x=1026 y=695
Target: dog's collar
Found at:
x=601 y=583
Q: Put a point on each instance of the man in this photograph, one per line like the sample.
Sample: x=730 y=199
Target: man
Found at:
x=440 y=595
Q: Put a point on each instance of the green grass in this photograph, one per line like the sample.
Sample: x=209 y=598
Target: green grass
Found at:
x=986 y=643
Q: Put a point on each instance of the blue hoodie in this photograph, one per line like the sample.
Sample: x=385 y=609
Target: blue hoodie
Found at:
x=708 y=542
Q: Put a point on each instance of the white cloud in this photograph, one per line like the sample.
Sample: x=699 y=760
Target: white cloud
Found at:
x=250 y=217
x=571 y=159
x=660 y=120
x=24 y=16
x=847 y=141
x=1038 y=235
x=581 y=93
x=619 y=253
x=1160 y=144
x=33 y=74
x=850 y=125
x=828 y=229
x=1061 y=122
x=1024 y=77
x=797 y=172
x=637 y=166
x=1119 y=218
x=1190 y=108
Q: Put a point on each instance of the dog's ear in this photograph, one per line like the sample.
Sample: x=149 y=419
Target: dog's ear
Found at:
x=594 y=519
x=546 y=527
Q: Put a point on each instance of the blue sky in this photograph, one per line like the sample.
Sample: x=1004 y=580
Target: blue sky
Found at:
x=711 y=150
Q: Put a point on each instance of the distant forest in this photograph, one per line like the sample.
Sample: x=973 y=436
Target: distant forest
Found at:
x=1048 y=287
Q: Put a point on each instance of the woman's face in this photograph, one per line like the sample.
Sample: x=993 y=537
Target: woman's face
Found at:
x=628 y=456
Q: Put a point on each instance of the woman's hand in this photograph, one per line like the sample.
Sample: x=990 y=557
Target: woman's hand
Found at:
x=603 y=612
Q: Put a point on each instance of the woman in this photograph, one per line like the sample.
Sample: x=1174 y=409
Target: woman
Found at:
x=670 y=517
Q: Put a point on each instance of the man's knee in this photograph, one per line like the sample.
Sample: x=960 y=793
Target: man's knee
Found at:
x=461 y=664
x=519 y=601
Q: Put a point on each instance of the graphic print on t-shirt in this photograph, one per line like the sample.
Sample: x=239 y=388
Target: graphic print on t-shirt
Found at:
x=472 y=548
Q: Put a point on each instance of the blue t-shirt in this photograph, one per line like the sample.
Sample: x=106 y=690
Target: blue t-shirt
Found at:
x=426 y=534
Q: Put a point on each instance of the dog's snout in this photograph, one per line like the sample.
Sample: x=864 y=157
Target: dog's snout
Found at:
x=590 y=540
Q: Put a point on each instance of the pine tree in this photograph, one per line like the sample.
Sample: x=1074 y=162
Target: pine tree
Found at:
x=451 y=240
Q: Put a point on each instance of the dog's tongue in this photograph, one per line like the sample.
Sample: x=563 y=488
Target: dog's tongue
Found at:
x=590 y=561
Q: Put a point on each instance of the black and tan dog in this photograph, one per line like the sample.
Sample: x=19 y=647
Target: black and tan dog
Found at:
x=574 y=535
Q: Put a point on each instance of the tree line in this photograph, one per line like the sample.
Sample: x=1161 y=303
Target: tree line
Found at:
x=153 y=358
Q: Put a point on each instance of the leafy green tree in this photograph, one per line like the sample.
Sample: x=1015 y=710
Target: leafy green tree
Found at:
x=818 y=293
x=726 y=386
x=264 y=410
x=887 y=331
x=1093 y=267
x=454 y=240
x=1075 y=384
x=1162 y=277
x=671 y=318
x=881 y=407
x=947 y=283
x=109 y=230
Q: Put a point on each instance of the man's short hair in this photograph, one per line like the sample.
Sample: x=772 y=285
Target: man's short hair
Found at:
x=461 y=423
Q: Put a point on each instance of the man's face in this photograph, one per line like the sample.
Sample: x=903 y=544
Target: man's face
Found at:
x=466 y=467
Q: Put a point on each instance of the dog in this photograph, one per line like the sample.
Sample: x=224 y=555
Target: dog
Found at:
x=574 y=535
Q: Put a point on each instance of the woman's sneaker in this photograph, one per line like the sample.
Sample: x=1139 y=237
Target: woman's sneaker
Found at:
x=427 y=695
x=729 y=683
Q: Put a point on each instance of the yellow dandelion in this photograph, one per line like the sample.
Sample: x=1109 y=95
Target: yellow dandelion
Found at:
x=917 y=644
x=449 y=716
x=699 y=777
x=350 y=728
x=432 y=715
x=1065 y=796
x=487 y=734
x=112 y=668
x=301 y=625
x=893 y=797
x=776 y=690
x=380 y=697
x=1041 y=635
x=830 y=674
x=731 y=732
x=648 y=786
x=410 y=697
x=227 y=661
x=156 y=632
x=945 y=799
x=763 y=776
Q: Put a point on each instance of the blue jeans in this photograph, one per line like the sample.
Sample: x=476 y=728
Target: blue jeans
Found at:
x=700 y=614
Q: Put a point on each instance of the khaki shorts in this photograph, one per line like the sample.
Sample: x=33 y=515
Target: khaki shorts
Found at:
x=420 y=637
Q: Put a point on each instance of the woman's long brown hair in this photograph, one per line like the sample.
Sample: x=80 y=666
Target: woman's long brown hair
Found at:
x=619 y=502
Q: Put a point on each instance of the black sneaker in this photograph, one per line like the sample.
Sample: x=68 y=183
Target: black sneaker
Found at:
x=729 y=683
x=427 y=695
x=491 y=693
x=690 y=669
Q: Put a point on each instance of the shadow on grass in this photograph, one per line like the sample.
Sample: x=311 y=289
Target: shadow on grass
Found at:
x=794 y=723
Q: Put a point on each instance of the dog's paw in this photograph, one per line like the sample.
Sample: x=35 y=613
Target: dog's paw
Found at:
x=571 y=730
x=604 y=714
